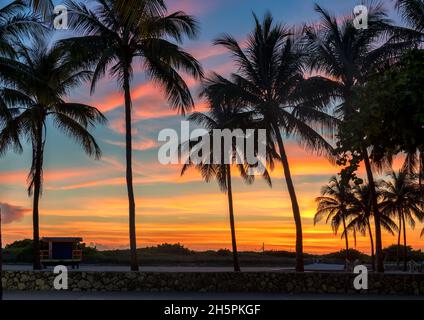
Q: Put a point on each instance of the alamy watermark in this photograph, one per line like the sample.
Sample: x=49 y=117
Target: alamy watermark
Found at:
x=360 y=21
x=226 y=146
x=60 y=17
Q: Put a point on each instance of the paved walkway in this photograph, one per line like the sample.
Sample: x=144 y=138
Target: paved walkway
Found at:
x=66 y=295
x=112 y=268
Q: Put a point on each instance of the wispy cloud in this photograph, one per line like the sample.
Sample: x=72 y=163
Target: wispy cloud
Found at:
x=11 y=213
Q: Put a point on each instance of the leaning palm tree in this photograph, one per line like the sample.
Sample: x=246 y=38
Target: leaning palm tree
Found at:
x=37 y=85
x=270 y=82
x=335 y=205
x=348 y=56
x=112 y=42
x=222 y=117
x=402 y=199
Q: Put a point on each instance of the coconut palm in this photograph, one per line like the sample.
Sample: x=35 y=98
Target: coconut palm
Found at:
x=412 y=13
x=270 y=82
x=37 y=86
x=335 y=205
x=348 y=56
x=1 y=259
x=113 y=43
x=221 y=117
x=403 y=200
x=361 y=215
x=15 y=24
x=42 y=6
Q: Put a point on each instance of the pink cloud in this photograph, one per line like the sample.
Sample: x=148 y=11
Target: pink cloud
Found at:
x=11 y=213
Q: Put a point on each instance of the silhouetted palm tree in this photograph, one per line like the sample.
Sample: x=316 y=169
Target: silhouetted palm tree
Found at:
x=222 y=117
x=38 y=84
x=112 y=42
x=403 y=200
x=1 y=259
x=14 y=24
x=361 y=215
x=270 y=82
x=334 y=205
x=412 y=13
x=348 y=56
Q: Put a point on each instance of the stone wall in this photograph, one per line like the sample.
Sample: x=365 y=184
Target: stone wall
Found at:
x=411 y=284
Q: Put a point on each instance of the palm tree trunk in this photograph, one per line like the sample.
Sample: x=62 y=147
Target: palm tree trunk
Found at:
x=1 y=261
x=378 y=242
x=36 y=197
x=421 y=170
x=129 y=174
x=295 y=206
x=232 y=223
x=347 y=243
x=404 y=243
x=372 y=246
x=398 y=243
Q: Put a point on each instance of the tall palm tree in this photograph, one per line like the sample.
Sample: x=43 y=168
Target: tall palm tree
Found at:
x=270 y=82
x=335 y=205
x=37 y=86
x=403 y=200
x=348 y=56
x=112 y=42
x=1 y=260
x=222 y=117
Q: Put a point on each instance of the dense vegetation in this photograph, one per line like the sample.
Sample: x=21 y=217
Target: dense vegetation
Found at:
x=178 y=255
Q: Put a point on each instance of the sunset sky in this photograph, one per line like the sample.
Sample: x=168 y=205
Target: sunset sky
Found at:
x=87 y=198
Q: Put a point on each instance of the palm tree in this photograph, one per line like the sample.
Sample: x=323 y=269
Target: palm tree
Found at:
x=335 y=205
x=14 y=23
x=113 y=42
x=361 y=215
x=41 y=6
x=38 y=84
x=403 y=200
x=221 y=117
x=412 y=13
x=348 y=56
x=1 y=260
x=270 y=82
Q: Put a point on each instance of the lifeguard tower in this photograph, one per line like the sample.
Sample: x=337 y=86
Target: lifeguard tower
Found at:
x=61 y=251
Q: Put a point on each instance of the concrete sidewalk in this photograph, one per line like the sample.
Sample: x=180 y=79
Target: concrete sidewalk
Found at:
x=113 y=268
x=70 y=295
